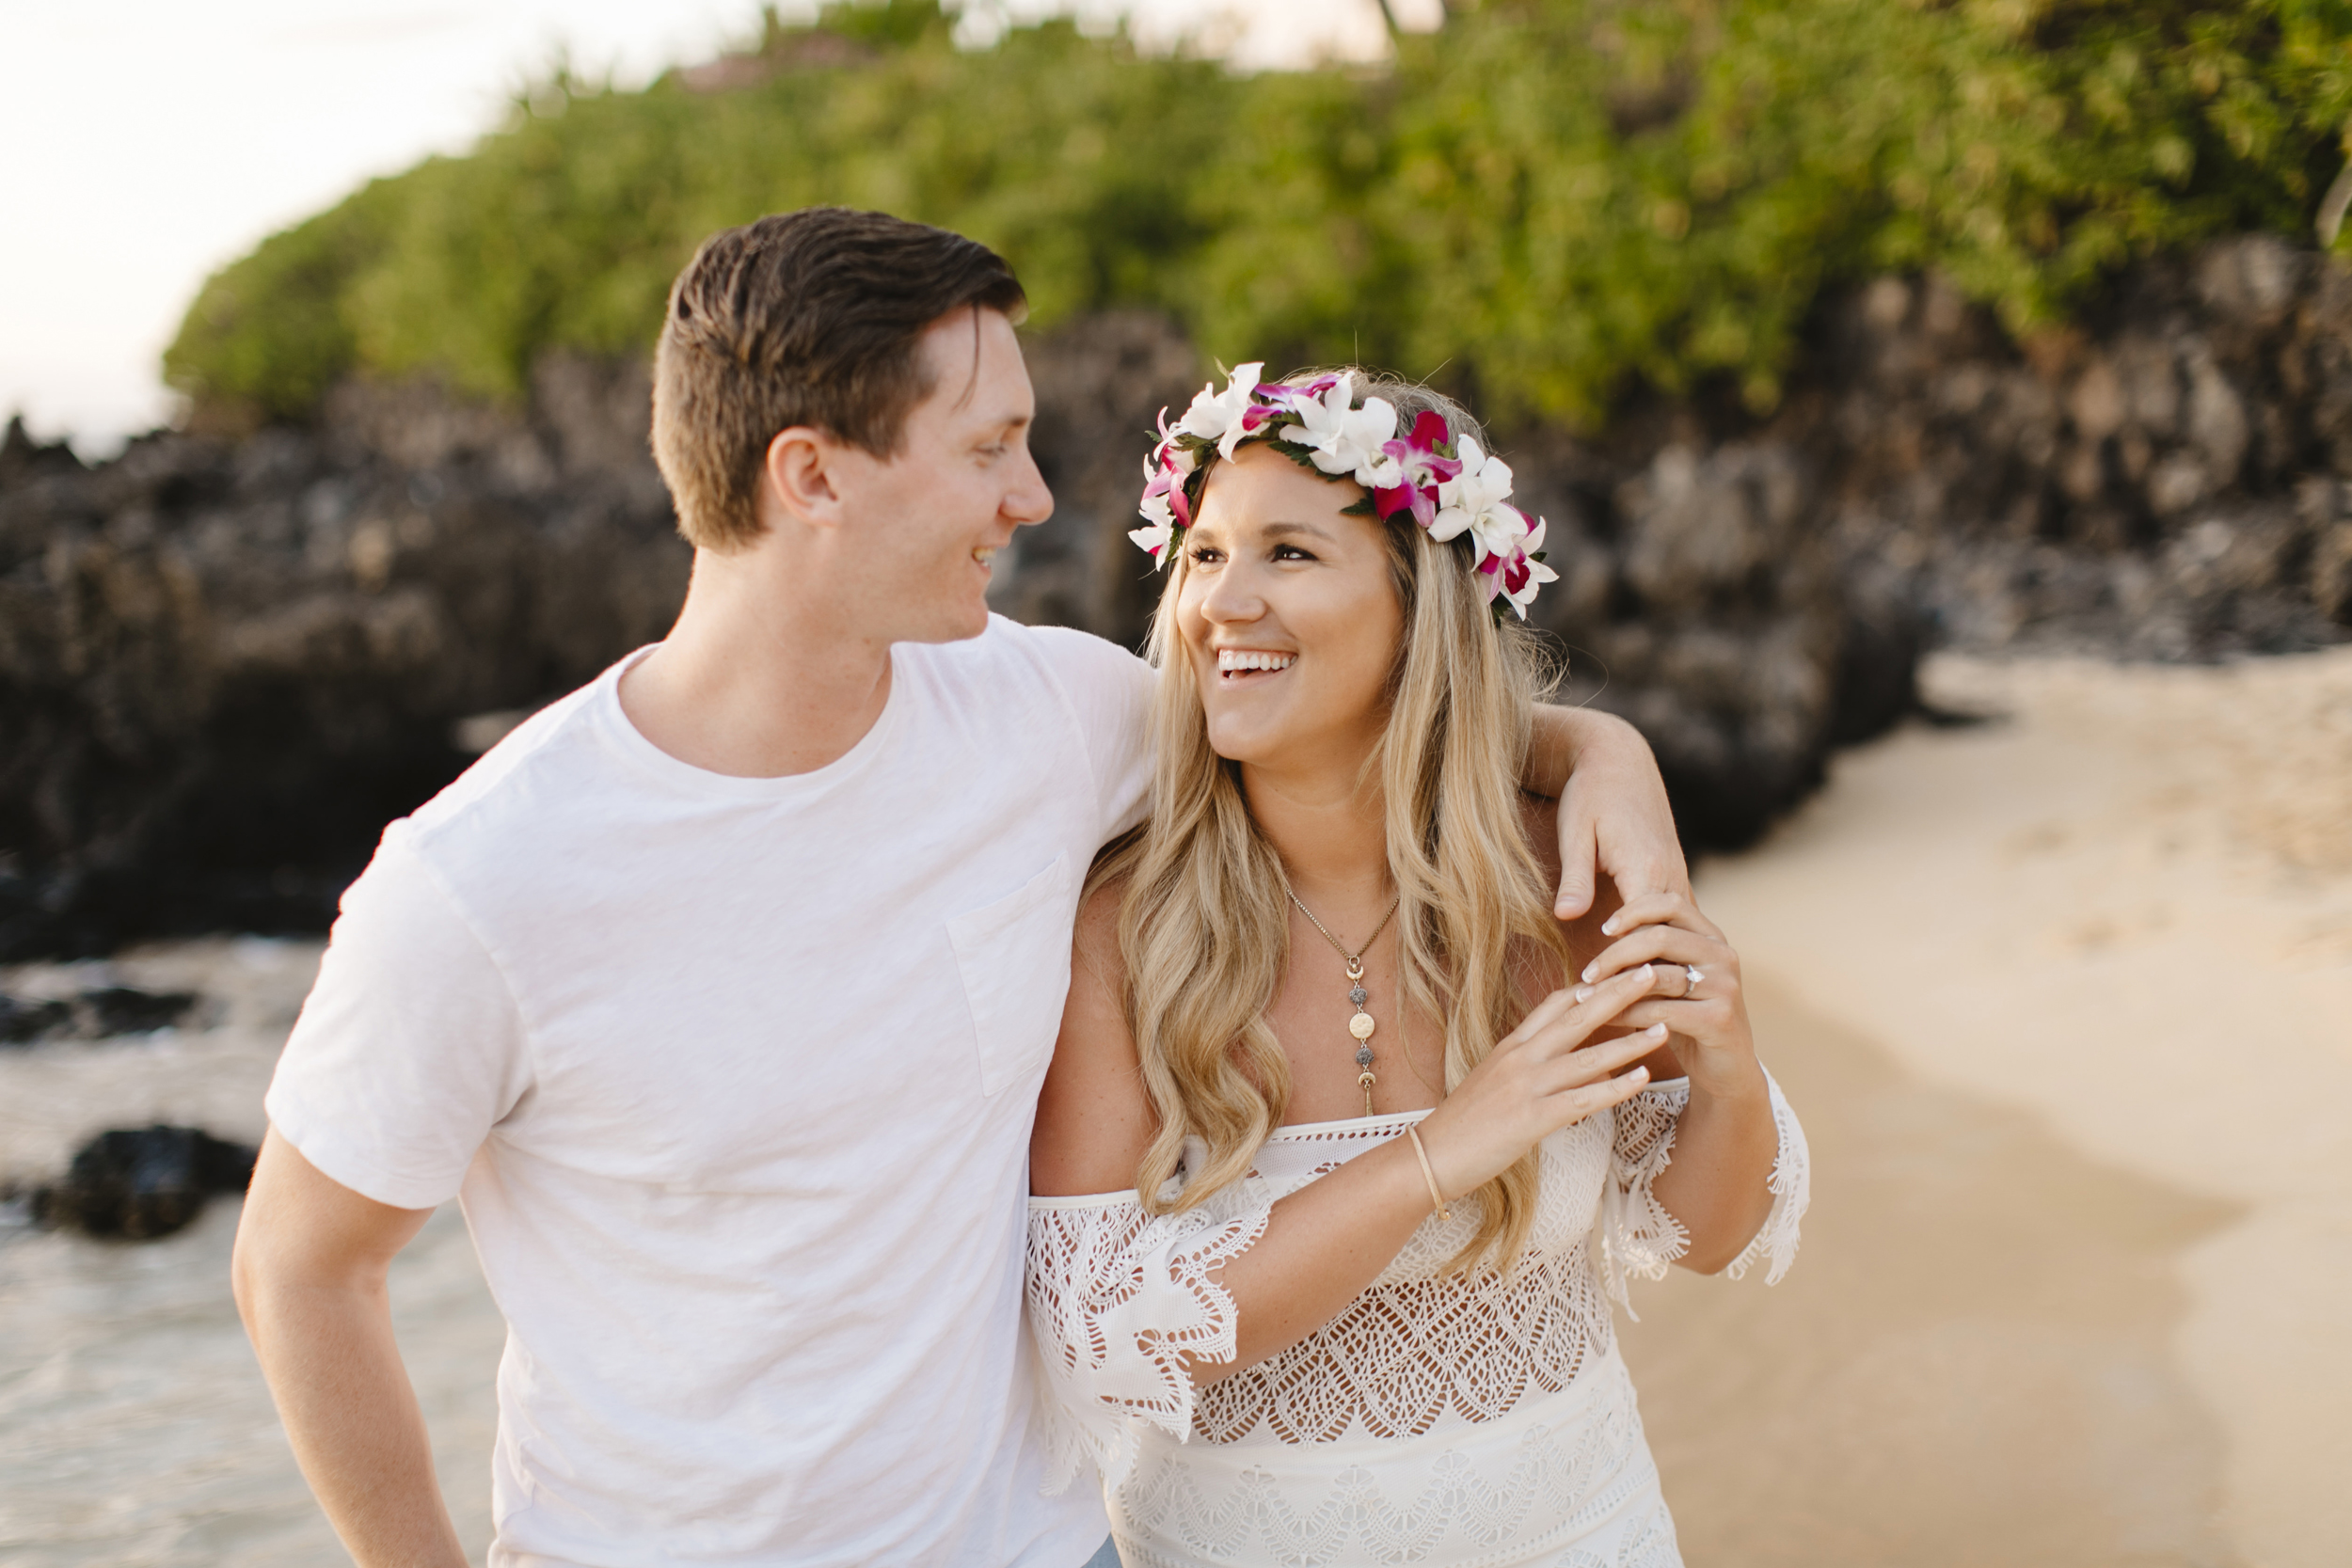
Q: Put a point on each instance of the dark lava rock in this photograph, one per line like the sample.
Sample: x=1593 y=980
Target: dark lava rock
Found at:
x=126 y=1010
x=95 y=1014
x=141 y=1184
x=24 y=1022
x=100 y=1014
x=225 y=666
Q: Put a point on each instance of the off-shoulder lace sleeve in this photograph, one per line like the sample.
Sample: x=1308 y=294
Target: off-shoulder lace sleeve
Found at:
x=1636 y=1233
x=1117 y=1301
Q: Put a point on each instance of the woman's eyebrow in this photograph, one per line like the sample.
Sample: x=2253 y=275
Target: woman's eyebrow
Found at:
x=1280 y=529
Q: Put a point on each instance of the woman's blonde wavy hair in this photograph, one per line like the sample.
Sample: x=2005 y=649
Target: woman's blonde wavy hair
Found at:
x=1204 y=919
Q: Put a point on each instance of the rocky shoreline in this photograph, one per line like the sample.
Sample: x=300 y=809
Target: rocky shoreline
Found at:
x=226 y=661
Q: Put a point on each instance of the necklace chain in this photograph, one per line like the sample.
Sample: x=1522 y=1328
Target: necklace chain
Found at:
x=1361 y=1026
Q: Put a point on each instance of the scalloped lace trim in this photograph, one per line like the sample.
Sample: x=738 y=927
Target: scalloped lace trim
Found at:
x=1774 y=1242
x=1118 y=1303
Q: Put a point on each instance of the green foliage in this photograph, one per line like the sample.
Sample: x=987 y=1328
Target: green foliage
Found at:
x=1544 y=201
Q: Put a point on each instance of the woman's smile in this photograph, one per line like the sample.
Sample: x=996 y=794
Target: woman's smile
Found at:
x=1249 y=666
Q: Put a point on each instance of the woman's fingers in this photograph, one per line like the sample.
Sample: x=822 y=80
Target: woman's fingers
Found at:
x=1573 y=1105
x=1660 y=909
x=1578 y=1011
x=1540 y=1017
x=1597 y=1008
x=1601 y=1059
x=1666 y=946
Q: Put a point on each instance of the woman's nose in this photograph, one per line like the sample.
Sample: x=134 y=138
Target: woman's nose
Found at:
x=1233 y=597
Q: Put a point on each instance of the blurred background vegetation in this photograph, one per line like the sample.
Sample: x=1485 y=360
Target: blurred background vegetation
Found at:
x=1543 y=204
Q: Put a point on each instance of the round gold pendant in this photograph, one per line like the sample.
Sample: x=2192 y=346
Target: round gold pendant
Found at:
x=1361 y=1026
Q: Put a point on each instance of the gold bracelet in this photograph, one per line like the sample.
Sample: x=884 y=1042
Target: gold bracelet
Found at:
x=1436 y=1198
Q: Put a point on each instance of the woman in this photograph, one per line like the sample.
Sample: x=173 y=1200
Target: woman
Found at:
x=1347 y=1141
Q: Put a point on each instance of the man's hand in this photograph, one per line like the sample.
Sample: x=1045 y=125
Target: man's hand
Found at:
x=1614 y=820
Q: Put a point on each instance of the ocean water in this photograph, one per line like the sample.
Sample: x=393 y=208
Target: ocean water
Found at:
x=135 y=1430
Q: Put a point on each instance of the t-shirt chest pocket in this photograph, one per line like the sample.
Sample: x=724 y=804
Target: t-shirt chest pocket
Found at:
x=1014 y=955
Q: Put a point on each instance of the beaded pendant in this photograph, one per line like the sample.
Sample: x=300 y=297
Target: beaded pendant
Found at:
x=1362 y=1027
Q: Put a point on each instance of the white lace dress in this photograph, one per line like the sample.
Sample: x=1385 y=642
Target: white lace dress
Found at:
x=1463 y=1422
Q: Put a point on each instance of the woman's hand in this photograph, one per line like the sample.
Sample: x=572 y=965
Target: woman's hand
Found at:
x=1541 y=1077
x=1665 y=934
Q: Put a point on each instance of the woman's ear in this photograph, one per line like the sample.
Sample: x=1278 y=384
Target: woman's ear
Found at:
x=801 y=477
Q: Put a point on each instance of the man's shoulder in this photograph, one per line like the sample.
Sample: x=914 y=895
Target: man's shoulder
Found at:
x=1063 y=661
x=514 y=783
x=1007 y=641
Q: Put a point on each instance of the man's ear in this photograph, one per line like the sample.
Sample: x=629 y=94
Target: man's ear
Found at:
x=801 y=476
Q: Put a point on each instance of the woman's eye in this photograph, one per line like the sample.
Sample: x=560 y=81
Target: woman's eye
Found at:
x=1291 y=552
x=1203 y=555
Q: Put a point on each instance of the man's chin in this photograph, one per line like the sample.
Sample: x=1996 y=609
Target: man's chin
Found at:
x=957 y=623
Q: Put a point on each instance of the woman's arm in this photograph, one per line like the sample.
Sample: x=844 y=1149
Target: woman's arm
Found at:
x=1324 y=1244
x=1727 y=1140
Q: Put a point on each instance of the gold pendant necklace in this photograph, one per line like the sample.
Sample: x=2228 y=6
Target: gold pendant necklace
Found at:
x=1360 y=1025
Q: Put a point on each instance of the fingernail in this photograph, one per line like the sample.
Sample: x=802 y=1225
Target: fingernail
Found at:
x=1608 y=926
x=1589 y=970
x=1640 y=1072
x=1655 y=1031
x=1583 y=994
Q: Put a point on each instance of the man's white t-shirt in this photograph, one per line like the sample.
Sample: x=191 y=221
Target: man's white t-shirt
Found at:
x=736 y=1078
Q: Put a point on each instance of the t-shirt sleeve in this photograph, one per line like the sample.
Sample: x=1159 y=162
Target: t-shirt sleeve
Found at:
x=1111 y=690
x=409 y=1048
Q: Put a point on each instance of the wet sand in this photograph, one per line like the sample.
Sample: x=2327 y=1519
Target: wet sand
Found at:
x=2066 y=1001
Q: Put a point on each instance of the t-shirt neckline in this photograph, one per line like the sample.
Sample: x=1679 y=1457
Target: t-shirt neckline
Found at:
x=613 y=721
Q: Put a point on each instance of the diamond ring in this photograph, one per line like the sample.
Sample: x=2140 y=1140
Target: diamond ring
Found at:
x=1693 y=972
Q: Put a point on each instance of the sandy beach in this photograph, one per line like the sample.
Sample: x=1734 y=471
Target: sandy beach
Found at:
x=2064 y=997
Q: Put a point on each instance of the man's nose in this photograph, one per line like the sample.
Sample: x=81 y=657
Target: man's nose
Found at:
x=1029 y=501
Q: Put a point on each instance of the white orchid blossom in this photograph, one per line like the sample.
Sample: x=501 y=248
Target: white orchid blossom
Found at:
x=1343 y=441
x=1476 y=500
x=1219 y=416
x=1157 y=537
x=1379 y=471
x=1522 y=573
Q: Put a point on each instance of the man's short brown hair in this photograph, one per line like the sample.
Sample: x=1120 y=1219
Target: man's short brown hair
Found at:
x=808 y=318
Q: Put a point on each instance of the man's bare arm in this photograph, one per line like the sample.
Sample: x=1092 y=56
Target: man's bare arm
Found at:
x=309 y=1274
x=1614 y=818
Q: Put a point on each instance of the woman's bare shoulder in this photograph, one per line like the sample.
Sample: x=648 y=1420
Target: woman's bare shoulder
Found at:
x=1093 y=1118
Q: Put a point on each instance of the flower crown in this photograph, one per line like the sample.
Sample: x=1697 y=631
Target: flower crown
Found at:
x=1450 y=486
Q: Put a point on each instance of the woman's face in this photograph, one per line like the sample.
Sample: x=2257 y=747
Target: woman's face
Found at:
x=1288 y=615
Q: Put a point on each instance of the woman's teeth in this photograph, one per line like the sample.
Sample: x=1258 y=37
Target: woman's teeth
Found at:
x=1235 y=661
x=983 y=553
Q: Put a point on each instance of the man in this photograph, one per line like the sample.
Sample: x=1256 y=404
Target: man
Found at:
x=723 y=989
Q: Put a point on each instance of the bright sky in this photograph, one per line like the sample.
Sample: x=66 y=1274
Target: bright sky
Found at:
x=148 y=142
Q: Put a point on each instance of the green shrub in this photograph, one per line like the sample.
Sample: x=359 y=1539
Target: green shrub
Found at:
x=1542 y=202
